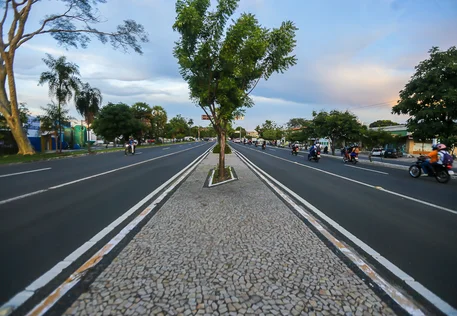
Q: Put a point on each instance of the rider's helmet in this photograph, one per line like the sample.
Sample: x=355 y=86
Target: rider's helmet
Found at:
x=440 y=146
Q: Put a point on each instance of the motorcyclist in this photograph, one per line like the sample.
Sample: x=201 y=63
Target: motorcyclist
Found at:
x=312 y=150
x=264 y=144
x=131 y=142
x=355 y=151
x=294 y=147
x=432 y=159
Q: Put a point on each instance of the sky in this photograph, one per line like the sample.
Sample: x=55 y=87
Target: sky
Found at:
x=352 y=54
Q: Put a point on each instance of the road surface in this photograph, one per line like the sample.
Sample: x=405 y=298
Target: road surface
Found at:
x=40 y=229
x=418 y=238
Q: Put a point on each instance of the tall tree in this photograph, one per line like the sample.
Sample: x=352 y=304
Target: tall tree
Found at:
x=63 y=81
x=177 y=127
x=143 y=112
x=73 y=26
x=297 y=122
x=158 y=121
x=337 y=126
x=116 y=120
x=430 y=97
x=53 y=119
x=383 y=123
x=222 y=65
x=88 y=102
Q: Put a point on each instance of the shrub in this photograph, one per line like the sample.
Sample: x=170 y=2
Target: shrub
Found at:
x=217 y=149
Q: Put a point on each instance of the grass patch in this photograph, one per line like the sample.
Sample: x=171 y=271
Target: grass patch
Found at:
x=227 y=175
x=217 y=149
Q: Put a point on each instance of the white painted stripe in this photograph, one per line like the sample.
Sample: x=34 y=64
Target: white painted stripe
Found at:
x=21 y=297
x=210 y=184
x=23 y=172
x=430 y=296
x=367 y=169
x=368 y=185
x=93 y=176
x=166 y=148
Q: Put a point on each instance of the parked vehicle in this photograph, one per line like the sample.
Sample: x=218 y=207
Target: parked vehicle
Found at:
x=393 y=153
x=442 y=173
x=377 y=152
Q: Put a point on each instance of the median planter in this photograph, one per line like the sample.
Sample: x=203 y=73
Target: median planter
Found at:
x=213 y=177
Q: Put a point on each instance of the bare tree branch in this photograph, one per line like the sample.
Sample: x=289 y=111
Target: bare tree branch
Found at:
x=23 y=16
x=254 y=86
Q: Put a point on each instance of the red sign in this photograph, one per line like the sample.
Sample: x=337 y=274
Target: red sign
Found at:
x=205 y=117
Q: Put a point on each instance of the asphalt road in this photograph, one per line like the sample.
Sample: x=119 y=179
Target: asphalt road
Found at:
x=37 y=231
x=418 y=238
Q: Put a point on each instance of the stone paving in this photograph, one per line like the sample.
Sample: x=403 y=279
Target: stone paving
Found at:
x=234 y=249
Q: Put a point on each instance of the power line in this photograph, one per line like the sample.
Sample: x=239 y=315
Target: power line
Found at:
x=372 y=105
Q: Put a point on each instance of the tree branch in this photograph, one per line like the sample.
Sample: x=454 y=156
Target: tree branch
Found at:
x=22 y=19
x=4 y=18
x=254 y=86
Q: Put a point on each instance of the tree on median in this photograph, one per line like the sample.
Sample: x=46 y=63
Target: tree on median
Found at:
x=116 y=120
x=223 y=69
x=158 y=122
x=430 y=98
x=71 y=27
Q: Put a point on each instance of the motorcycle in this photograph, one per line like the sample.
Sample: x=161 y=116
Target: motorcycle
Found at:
x=442 y=173
x=351 y=158
x=129 y=149
x=264 y=146
x=295 y=151
x=316 y=157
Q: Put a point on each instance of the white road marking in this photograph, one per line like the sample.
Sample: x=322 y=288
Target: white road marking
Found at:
x=370 y=186
x=23 y=172
x=397 y=296
x=367 y=169
x=166 y=148
x=48 y=302
x=93 y=176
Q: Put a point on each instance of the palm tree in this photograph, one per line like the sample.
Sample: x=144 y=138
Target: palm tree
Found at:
x=88 y=101
x=158 y=121
x=63 y=82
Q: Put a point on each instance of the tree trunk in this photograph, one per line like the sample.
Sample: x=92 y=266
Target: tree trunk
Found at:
x=221 y=136
x=23 y=143
x=13 y=118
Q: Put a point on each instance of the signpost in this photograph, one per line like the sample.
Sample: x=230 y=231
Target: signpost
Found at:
x=205 y=117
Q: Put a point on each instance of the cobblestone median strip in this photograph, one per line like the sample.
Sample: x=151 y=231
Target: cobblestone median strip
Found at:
x=395 y=294
x=222 y=251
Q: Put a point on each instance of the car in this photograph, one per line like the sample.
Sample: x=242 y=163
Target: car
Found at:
x=377 y=152
x=393 y=153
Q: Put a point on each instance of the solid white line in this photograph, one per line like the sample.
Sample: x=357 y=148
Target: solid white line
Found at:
x=397 y=296
x=21 y=297
x=369 y=186
x=93 y=176
x=367 y=169
x=23 y=172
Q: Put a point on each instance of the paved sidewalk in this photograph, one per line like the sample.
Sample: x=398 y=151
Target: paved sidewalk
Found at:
x=231 y=249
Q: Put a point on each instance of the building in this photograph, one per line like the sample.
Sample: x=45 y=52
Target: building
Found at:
x=404 y=140
x=253 y=134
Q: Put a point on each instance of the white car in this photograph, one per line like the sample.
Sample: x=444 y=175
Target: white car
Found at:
x=377 y=152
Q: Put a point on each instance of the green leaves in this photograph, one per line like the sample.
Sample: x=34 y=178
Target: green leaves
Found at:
x=430 y=97
x=222 y=70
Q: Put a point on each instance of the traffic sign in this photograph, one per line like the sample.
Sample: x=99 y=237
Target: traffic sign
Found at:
x=205 y=117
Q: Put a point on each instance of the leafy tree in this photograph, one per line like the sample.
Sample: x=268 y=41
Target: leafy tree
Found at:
x=143 y=112
x=73 y=26
x=236 y=132
x=430 y=97
x=24 y=114
x=337 y=126
x=63 y=80
x=297 y=122
x=177 y=127
x=116 y=120
x=88 y=102
x=222 y=65
x=158 y=121
x=376 y=138
x=304 y=133
x=269 y=134
x=53 y=119
x=383 y=123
